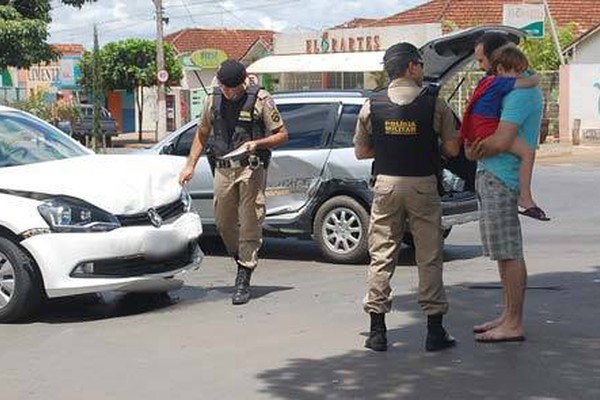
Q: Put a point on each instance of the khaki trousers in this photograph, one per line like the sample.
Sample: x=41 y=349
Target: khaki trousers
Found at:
x=397 y=199
x=239 y=206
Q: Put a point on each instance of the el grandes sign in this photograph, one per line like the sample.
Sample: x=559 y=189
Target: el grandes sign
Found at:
x=354 y=40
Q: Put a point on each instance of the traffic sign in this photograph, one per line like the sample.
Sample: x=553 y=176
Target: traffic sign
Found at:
x=162 y=76
x=529 y=17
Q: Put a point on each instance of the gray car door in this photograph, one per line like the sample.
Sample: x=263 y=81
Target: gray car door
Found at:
x=297 y=165
x=201 y=186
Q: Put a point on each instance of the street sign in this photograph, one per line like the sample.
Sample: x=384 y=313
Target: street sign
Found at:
x=162 y=76
x=529 y=17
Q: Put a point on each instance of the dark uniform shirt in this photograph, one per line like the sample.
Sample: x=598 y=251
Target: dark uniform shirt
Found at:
x=403 y=91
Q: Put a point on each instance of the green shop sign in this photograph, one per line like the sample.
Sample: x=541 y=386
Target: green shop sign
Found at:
x=205 y=58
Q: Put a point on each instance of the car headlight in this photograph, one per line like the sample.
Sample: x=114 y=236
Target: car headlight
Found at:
x=68 y=214
x=186 y=199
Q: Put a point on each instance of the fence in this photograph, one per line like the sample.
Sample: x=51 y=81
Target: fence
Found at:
x=549 y=85
x=10 y=95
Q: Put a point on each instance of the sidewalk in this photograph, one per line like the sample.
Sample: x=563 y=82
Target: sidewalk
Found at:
x=130 y=140
x=546 y=153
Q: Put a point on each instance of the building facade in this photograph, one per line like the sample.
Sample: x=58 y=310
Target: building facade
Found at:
x=343 y=58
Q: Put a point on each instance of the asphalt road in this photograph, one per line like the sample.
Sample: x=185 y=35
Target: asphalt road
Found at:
x=302 y=335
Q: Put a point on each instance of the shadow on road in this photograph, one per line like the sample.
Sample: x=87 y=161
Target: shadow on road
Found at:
x=94 y=307
x=291 y=249
x=559 y=360
x=109 y=305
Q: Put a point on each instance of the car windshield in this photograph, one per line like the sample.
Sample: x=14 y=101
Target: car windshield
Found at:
x=27 y=140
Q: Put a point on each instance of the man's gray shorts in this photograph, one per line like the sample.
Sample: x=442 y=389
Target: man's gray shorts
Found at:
x=499 y=224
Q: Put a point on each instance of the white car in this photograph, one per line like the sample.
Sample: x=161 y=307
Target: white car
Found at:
x=72 y=222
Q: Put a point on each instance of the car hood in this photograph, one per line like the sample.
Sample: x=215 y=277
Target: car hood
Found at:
x=446 y=55
x=120 y=184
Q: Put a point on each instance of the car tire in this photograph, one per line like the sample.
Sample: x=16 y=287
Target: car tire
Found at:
x=340 y=230
x=20 y=289
x=410 y=241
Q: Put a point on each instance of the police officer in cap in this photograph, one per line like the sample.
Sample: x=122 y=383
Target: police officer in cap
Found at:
x=400 y=127
x=236 y=115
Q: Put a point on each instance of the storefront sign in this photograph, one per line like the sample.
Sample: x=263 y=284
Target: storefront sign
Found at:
x=529 y=17
x=62 y=74
x=354 y=40
x=207 y=58
x=47 y=74
x=341 y=44
x=196 y=101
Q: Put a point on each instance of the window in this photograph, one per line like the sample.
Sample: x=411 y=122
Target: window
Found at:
x=346 y=127
x=306 y=124
x=183 y=143
x=345 y=80
x=26 y=140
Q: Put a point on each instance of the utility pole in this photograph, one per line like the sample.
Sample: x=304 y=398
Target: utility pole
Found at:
x=161 y=126
x=554 y=32
x=96 y=89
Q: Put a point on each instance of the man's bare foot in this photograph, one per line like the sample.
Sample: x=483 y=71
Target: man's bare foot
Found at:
x=501 y=333
x=486 y=326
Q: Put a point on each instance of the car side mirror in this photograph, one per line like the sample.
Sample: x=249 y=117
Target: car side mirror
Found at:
x=168 y=149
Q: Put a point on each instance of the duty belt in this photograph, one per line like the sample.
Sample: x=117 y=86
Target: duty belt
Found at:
x=253 y=161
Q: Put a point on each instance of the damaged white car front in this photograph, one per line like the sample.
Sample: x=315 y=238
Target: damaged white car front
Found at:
x=72 y=222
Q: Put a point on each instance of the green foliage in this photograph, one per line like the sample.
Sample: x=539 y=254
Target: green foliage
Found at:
x=24 y=32
x=542 y=53
x=36 y=103
x=129 y=64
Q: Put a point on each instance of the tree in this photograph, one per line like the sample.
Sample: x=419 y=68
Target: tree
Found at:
x=542 y=53
x=130 y=64
x=24 y=32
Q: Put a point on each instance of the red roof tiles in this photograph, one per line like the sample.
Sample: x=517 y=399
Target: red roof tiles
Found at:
x=235 y=42
x=67 y=49
x=467 y=13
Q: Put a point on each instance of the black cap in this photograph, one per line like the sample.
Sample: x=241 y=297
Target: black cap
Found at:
x=402 y=52
x=231 y=73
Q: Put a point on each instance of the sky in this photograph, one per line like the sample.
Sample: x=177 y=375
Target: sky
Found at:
x=119 y=19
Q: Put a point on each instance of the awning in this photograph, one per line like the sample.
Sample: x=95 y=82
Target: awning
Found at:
x=331 y=62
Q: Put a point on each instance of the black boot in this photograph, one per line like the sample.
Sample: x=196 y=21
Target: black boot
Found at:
x=242 y=286
x=437 y=337
x=377 y=339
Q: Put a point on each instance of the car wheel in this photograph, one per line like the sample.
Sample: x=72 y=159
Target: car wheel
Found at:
x=410 y=241
x=20 y=290
x=340 y=230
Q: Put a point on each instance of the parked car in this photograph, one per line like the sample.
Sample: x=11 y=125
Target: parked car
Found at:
x=84 y=123
x=73 y=222
x=316 y=187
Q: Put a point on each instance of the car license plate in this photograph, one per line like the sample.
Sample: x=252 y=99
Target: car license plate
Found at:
x=162 y=244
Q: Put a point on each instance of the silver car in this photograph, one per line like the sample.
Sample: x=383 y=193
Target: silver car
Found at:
x=316 y=188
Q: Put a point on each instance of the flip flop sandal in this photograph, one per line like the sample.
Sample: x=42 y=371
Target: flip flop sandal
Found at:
x=535 y=212
x=500 y=339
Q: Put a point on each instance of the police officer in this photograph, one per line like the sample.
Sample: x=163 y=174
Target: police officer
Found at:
x=400 y=128
x=238 y=115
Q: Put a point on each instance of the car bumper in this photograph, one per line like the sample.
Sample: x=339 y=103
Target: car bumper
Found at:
x=122 y=259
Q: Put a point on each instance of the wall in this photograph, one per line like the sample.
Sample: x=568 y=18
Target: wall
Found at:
x=580 y=99
x=588 y=52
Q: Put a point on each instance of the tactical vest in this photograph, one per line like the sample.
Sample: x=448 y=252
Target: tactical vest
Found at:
x=235 y=123
x=404 y=140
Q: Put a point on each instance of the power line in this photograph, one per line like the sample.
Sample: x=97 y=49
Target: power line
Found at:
x=187 y=9
x=233 y=14
x=249 y=8
x=116 y=24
